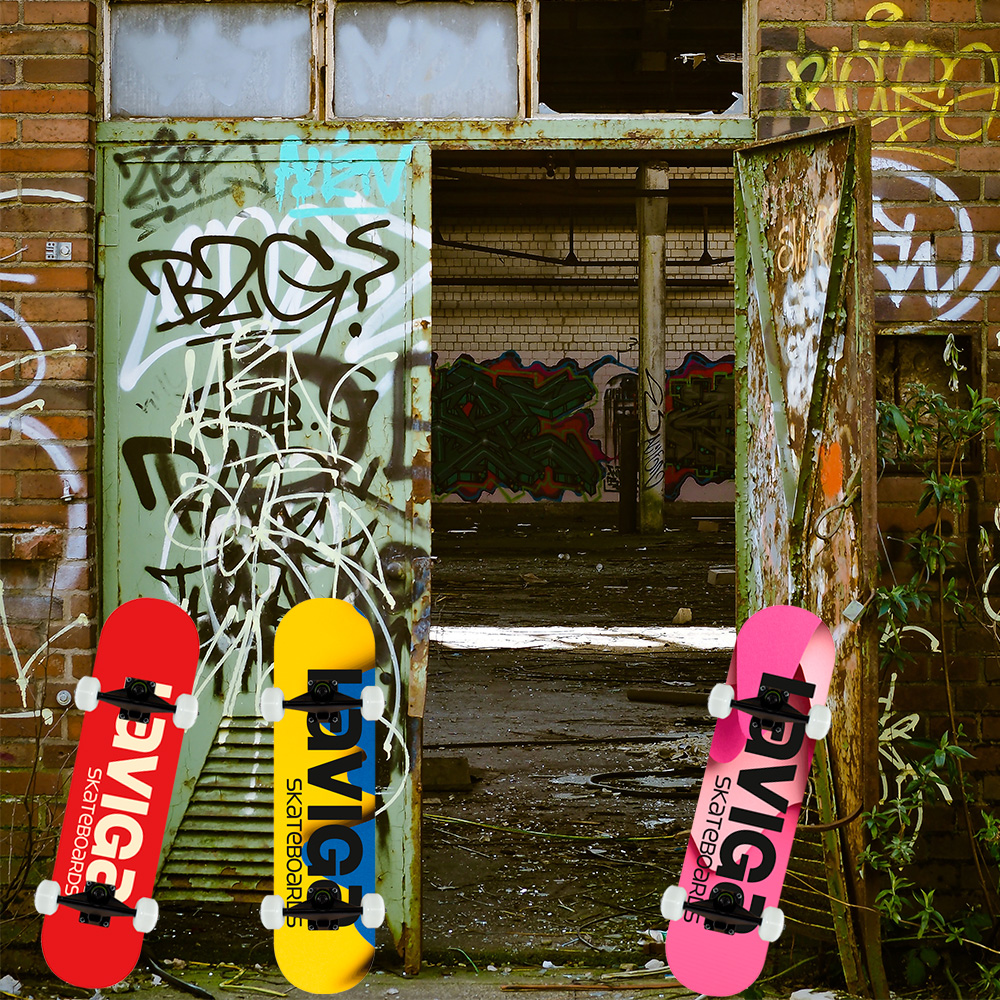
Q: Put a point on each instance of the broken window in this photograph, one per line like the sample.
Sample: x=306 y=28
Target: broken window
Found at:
x=640 y=56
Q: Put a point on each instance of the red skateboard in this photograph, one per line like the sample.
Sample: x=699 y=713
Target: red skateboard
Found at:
x=772 y=709
x=138 y=703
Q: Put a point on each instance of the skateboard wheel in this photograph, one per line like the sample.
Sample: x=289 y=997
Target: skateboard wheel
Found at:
x=272 y=911
x=146 y=915
x=672 y=903
x=372 y=910
x=185 y=711
x=772 y=923
x=47 y=897
x=272 y=704
x=372 y=703
x=87 y=690
x=720 y=701
x=819 y=722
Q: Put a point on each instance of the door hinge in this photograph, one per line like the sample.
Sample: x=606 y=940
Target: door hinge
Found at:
x=107 y=236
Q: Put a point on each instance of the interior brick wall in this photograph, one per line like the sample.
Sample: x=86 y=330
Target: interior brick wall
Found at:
x=926 y=76
x=47 y=115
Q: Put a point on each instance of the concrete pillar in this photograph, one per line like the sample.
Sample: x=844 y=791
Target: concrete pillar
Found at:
x=652 y=225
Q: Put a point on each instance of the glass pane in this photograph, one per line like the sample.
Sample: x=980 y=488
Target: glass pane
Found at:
x=229 y=60
x=425 y=60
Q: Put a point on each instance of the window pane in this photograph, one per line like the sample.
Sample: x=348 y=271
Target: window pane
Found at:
x=229 y=60
x=425 y=60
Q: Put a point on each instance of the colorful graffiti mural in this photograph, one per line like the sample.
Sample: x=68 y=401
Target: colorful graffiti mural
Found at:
x=503 y=424
x=507 y=425
x=700 y=405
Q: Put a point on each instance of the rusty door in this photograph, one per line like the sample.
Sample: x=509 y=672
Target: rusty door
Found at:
x=806 y=462
x=266 y=388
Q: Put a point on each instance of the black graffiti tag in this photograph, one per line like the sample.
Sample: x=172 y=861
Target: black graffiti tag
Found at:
x=192 y=283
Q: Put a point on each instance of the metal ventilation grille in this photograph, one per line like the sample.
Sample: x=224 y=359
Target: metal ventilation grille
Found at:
x=223 y=849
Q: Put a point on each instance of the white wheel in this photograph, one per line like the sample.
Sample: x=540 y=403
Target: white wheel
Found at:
x=372 y=703
x=819 y=722
x=720 y=701
x=372 y=910
x=772 y=923
x=87 y=690
x=186 y=711
x=47 y=897
x=272 y=914
x=272 y=705
x=146 y=915
x=672 y=903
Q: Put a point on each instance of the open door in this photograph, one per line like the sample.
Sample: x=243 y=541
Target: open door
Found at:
x=806 y=461
x=266 y=400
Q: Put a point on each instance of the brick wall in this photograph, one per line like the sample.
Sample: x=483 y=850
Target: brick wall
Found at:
x=47 y=108
x=926 y=74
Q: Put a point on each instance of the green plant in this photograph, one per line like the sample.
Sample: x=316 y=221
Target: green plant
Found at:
x=942 y=442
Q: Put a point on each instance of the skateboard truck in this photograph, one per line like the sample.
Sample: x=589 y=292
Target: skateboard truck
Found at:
x=137 y=701
x=770 y=709
x=322 y=701
x=724 y=912
x=324 y=908
x=96 y=905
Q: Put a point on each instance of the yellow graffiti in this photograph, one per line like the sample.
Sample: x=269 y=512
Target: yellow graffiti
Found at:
x=879 y=71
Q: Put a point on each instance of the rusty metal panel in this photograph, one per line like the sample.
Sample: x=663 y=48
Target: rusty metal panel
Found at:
x=805 y=445
x=265 y=363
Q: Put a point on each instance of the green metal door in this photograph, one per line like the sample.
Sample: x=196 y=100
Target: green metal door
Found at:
x=806 y=460
x=266 y=395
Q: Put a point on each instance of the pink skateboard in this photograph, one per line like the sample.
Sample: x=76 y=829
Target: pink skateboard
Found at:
x=98 y=903
x=771 y=710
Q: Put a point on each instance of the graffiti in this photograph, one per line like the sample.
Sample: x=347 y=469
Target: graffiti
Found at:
x=700 y=414
x=883 y=73
x=220 y=277
x=501 y=423
x=352 y=180
x=908 y=261
x=188 y=278
x=652 y=452
x=166 y=172
x=263 y=477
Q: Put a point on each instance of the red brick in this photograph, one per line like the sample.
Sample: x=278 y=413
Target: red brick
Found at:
x=54 y=513
x=991 y=11
x=54 y=70
x=68 y=428
x=911 y=307
x=984 y=218
x=980 y=158
x=8 y=130
x=7 y=71
x=823 y=38
x=57 y=278
x=70 y=308
x=56 y=12
x=791 y=10
x=855 y=10
x=56 y=130
x=48 y=43
x=48 y=218
x=80 y=186
x=8 y=485
x=39 y=160
x=899 y=34
x=60 y=367
x=953 y=10
x=8 y=12
x=64 y=101
x=783 y=38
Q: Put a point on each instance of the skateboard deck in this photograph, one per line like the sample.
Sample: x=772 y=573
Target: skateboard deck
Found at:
x=748 y=807
x=325 y=908
x=119 y=794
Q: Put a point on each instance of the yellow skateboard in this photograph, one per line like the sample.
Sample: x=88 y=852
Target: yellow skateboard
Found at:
x=324 y=707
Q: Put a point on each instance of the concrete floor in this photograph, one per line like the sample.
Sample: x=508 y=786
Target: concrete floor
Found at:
x=535 y=859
